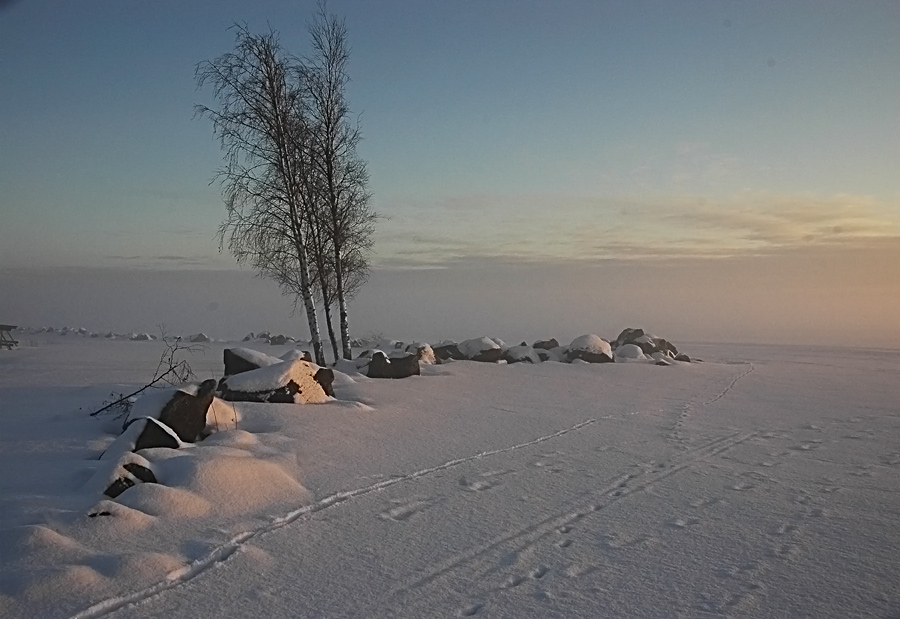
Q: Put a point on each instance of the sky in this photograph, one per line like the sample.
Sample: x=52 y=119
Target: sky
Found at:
x=721 y=170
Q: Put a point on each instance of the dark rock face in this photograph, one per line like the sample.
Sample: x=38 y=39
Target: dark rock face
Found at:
x=403 y=366
x=137 y=472
x=154 y=436
x=448 y=351
x=199 y=338
x=682 y=357
x=248 y=337
x=186 y=413
x=325 y=377
x=546 y=344
x=542 y=354
x=379 y=366
x=395 y=367
x=278 y=340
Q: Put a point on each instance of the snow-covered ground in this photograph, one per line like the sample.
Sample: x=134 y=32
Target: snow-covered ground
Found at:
x=764 y=482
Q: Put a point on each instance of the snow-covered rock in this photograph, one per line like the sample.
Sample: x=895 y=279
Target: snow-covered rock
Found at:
x=481 y=349
x=629 y=352
x=239 y=360
x=284 y=382
x=521 y=354
x=591 y=348
x=199 y=338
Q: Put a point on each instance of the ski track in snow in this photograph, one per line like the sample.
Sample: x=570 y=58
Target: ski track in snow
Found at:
x=225 y=551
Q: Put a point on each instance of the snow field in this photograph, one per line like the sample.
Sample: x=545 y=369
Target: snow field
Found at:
x=760 y=483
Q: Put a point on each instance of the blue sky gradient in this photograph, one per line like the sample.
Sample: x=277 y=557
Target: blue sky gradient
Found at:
x=497 y=132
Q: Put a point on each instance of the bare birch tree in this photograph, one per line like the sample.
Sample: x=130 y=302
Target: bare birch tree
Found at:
x=341 y=175
x=261 y=122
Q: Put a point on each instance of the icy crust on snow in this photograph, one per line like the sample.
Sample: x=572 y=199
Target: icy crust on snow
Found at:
x=277 y=375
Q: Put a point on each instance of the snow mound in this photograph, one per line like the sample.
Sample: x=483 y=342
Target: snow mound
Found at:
x=520 y=354
x=221 y=416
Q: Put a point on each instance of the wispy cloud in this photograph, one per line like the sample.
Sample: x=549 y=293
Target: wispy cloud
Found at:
x=573 y=228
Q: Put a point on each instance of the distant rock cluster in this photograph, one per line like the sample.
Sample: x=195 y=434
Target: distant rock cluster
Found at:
x=394 y=359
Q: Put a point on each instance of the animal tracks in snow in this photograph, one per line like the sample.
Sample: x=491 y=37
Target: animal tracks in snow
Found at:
x=515 y=550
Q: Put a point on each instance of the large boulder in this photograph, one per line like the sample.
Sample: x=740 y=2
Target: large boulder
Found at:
x=238 y=360
x=448 y=350
x=482 y=349
x=199 y=338
x=279 y=340
x=185 y=413
x=292 y=382
x=590 y=348
x=400 y=366
x=522 y=354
